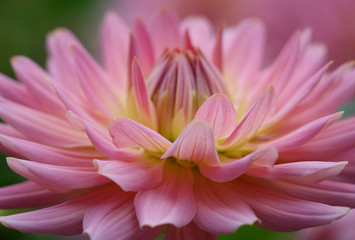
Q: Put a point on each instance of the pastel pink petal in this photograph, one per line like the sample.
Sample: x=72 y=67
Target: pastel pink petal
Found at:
x=279 y=212
x=115 y=45
x=165 y=32
x=128 y=133
x=328 y=192
x=16 y=92
x=220 y=209
x=304 y=134
x=42 y=127
x=172 y=202
x=50 y=155
x=36 y=81
x=143 y=47
x=232 y=170
x=251 y=122
x=61 y=60
x=113 y=218
x=139 y=104
x=219 y=112
x=194 y=145
x=103 y=143
x=63 y=219
x=217 y=54
x=137 y=175
x=67 y=177
x=244 y=49
x=94 y=83
x=29 y=195
x=188 y=232
x=309 y=172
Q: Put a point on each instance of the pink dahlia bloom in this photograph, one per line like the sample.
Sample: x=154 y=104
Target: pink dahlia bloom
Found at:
x=332 y=21
x=180 y=130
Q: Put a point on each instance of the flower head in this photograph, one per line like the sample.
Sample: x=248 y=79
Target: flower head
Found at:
x=181 y=130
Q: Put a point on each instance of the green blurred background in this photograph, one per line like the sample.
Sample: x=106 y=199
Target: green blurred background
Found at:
x=24 y=25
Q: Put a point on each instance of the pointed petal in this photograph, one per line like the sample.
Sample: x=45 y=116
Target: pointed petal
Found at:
x=308 y=172
x=143 y=46
x=220 y=209
x=113 y=218
x=36 y=81
x=195 y=145
x=219 y=112
x=217 y=55
x=251 y=122
x=188 y=232
x=29 y=195
x=172 y=202
x=128 y=133
x=115 y=44
x=165 y=32
x=140 y=106
x=62 y=219
x=233 y=169
x=42 y=127
x=304 y=134
x=279 y=212
x=94 y=83
x=327 y=192
x=67 y=177
x=142 y=174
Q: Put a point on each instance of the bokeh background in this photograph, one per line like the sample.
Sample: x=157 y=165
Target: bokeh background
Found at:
x=24 y=25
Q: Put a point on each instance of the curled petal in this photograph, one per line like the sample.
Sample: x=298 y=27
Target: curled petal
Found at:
x=309 y=172
x=67 y=177
x=251 y=122
x=219 y=112
x=137 y=175
x=128 y=133
x=220 y=209
x=172 y=202
x=194 y=145
x=233 y=169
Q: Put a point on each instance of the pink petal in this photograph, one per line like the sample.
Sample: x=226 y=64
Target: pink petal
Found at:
x=328 y=192
x=115 y=44
x=51 y=155
x=188 y=232
x=220 y=209
x=42 y=127
x=244 y=49
x=217 y=56
x=36 y=81
x=103 y=143
x=29 y=195
x=303 y=134
x=67 y=177
x=251 y=122
x=143 y=46
x=95 y=85
x=233 y=169
x=113 y=218
x=194 y=145
x=279 y=212
x=308 y=172
x=16 y=92
x=63 y=219
x=172 y=202
x=141 y=174
x=139 y=104
x=165 y=32
x=128 y=133
x=219 y=112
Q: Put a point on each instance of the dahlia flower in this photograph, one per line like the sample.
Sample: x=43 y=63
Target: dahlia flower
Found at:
x=180 y=131
x=331 y=21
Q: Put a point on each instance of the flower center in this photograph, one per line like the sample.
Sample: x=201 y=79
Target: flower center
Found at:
x=178 y=84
